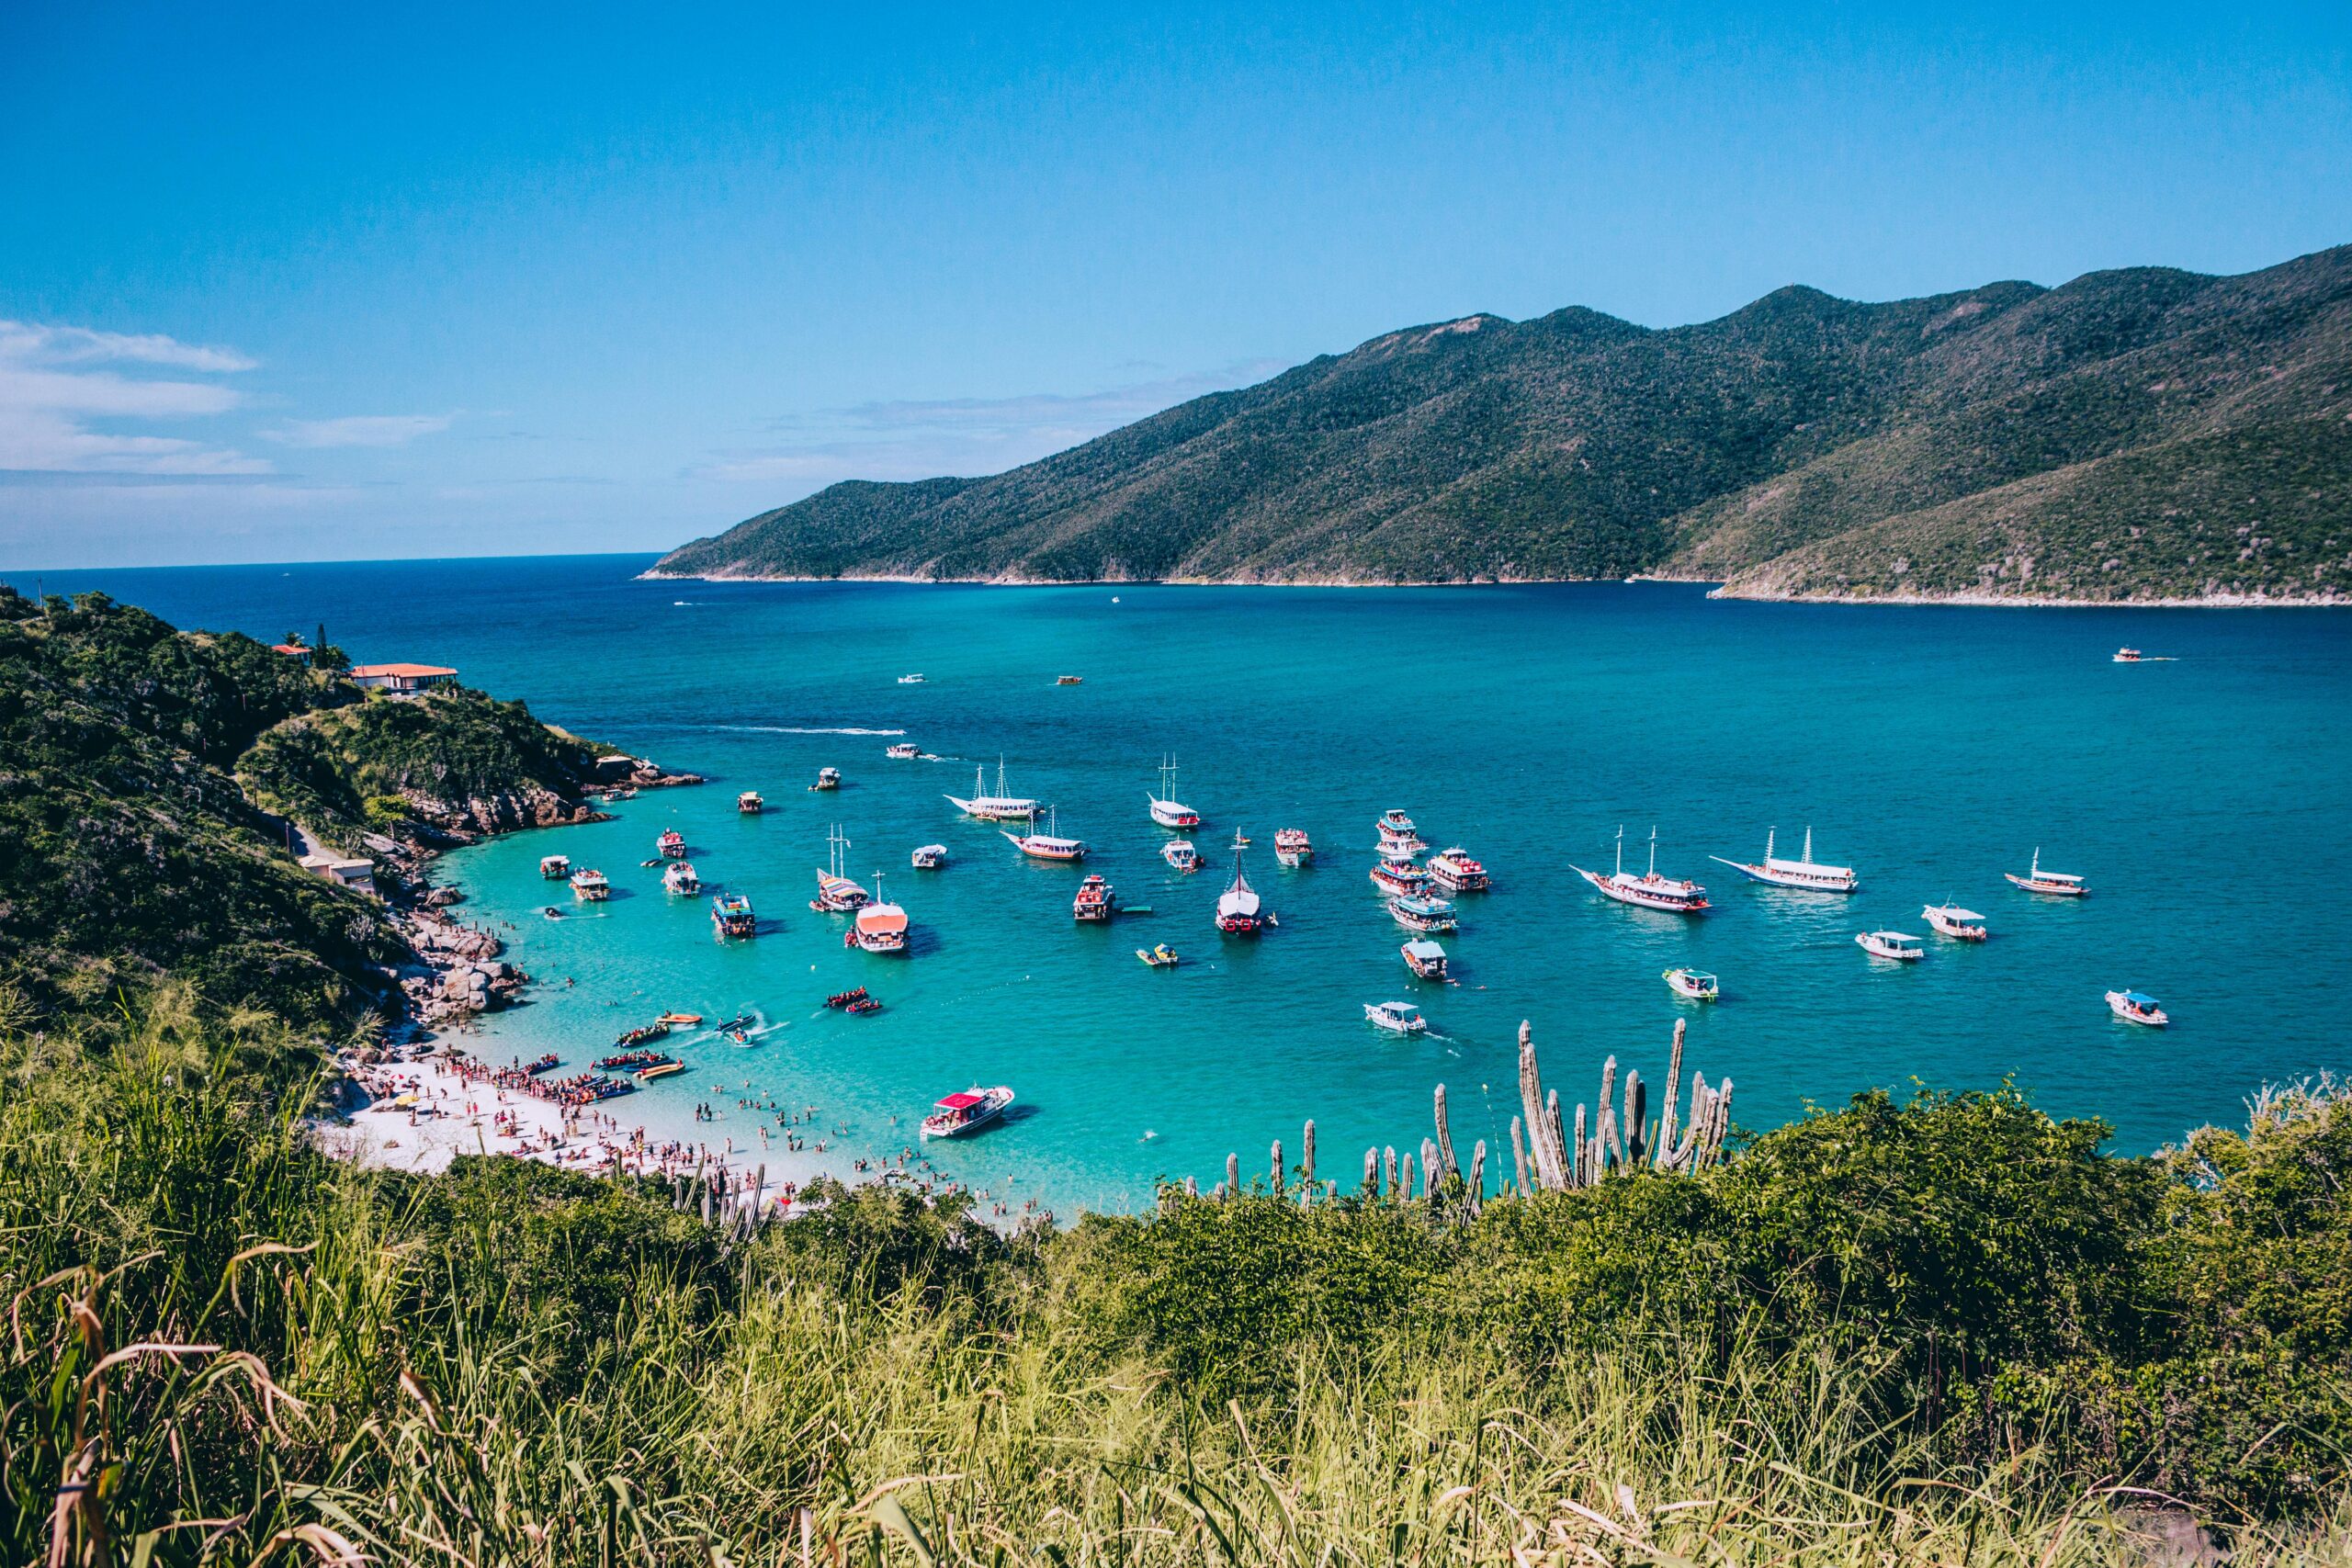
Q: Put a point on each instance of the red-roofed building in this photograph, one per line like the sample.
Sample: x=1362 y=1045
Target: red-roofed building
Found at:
x=402 y=680
x=291 y=650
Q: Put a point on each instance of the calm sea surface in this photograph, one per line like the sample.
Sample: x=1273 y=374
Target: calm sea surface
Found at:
x=2209 y=802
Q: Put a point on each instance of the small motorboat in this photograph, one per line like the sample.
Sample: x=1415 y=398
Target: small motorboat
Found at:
x=2055 y=884
x=1454 y=871
x=1292 y=848
x=904 y=751
x=1181 y=854
x=1890 y=944
x=672 y=845
x=589 y=885
x=910 y=680
x=1696 y=985
x=1049 y=845
x=654 y=1031
x=1398 y=1017
x=1422 y=914
x=750 y=803
x=1069 y=680
x=961 y=1114
x=2128 y=656
x=730 y=915
x=552 y=913
x=555 y=868
x=1096 y=900
x=680 y=876
x=2136 y=1007
x=845 y=999
x=828 y=778
x=1951 y=921
x=1159 y=956
x=930 y=857
x=1424 y=958
x=680 y=1019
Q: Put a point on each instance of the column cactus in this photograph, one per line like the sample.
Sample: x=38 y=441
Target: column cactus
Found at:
x=1666 y=1116
x=1444 y=1138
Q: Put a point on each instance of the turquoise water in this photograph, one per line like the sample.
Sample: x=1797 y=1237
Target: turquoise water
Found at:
x=2209 y=801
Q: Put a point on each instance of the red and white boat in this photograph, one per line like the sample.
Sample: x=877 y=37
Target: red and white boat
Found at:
x=1454 y=871
x=1397 y=877
x=1951 y=921
x=1181 y=854
x=879 y=928
x=672 y=843
x=1049 y=845
x=1291 y=847
x=2136 y=1007
x=1807 y=873
x=836 y=894
x=1239 y=910
x=960 y=1113
x=1649 y=891
x=1171 y=813
x=2056 y=884
x=1096 y=900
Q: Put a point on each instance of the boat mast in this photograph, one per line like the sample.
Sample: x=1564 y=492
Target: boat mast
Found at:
x=1769 y=834
x=1808 y=843
x=833 y=836
x=1620 y=849
x=1653 y=873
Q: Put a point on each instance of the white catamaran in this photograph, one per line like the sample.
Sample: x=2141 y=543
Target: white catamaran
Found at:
x=1807 y=873
x=997 y=808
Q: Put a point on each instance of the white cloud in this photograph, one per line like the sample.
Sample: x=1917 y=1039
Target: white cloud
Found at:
x=361 y=430
x=48 y=399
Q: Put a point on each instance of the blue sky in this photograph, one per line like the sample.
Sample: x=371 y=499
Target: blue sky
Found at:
x=309 y=282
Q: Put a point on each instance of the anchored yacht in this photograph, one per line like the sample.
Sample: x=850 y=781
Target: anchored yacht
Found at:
x=1807 y=873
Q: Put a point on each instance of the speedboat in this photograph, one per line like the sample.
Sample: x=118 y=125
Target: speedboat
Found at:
x=1167 y=812
x=2056 y=884
x=930 y=857
x=1422 y=914
x=589 y=885
x=730 y=913
x=750 y=803
x=1424 y=958
x=1649 y=891
x=904 y=751
x=1695 y=983
x=2128 y=656
x=1399 y=877
x=1180 y=854
x=1049 y=845
x=879 y=928
x=909 y=679
x=960 y=1113
x=1398 y=1017
x=1454 y=871
x=1951 y=921
x=672 y=845
x=555 y=868
x=1096 y=900
x=680 y=876
x=997 y=808
x=2136 y=1007
x=1238 y=911
x=828 y=778
x=1806 y=874
x=1890 y=944
x=1159 y=955
x=1291 y=847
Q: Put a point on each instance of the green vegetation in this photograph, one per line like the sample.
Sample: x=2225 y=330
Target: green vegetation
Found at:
x=2131 y=434
x=1949 y=1331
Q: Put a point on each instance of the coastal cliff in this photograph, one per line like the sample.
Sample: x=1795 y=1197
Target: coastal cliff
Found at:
x=2141 y=435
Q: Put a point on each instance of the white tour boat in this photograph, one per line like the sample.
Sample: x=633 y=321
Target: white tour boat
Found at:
x=1239 y=909
x=909 y=679
x=680 y=876
x=997 y=808
x=1454 y=871
x=930 y=857
x=672 y=845
x=879 y=927
x=1424 y=958
x=1398 y=834
x=1096 y=900
x=1890 y=944
x=555 y=868
x=1951 y=921
x=1049 y=845
x=589 y=884
x=1696 y=984
x=1180 y=854
x=1171 y=813
x=1291 y=847
x=904 y=751
x=1806 y=874
x=749 y=803
x=2136 y=1007
x=2056 y=884
x=960 y=1113
x=1422 y=914
x=1398 y=1017
x=1649 y=891
x=836 y=894
x=1399 y=877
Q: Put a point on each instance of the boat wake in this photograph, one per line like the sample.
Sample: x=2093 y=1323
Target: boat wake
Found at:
x=804 y=730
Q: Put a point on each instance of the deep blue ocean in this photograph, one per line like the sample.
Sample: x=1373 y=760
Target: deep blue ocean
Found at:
x=2207 y=800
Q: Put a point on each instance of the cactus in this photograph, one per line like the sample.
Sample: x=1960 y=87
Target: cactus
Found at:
x=1444 y=1139
x=1306 y=1155
x=1637 y=1113
x=1232 y=1175
x=1519 y=1159
x=1583 y=1173
x=1477 y=1174
x=1390 y=1153
x=1432 y=1174
x=1404 y=1192
x=1548 y=1169
x=1372 y=1173
x=1192 y=1187
x=1275 y=1164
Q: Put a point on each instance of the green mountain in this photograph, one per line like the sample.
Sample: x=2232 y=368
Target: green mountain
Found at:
x=2137 y=434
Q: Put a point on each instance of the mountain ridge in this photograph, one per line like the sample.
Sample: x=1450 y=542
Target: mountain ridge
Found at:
x=1801 y=445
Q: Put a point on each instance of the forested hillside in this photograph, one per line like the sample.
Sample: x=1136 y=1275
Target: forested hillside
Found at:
x=2137 y=434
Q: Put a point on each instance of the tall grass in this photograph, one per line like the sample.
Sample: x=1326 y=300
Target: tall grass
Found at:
x=221 y=1346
